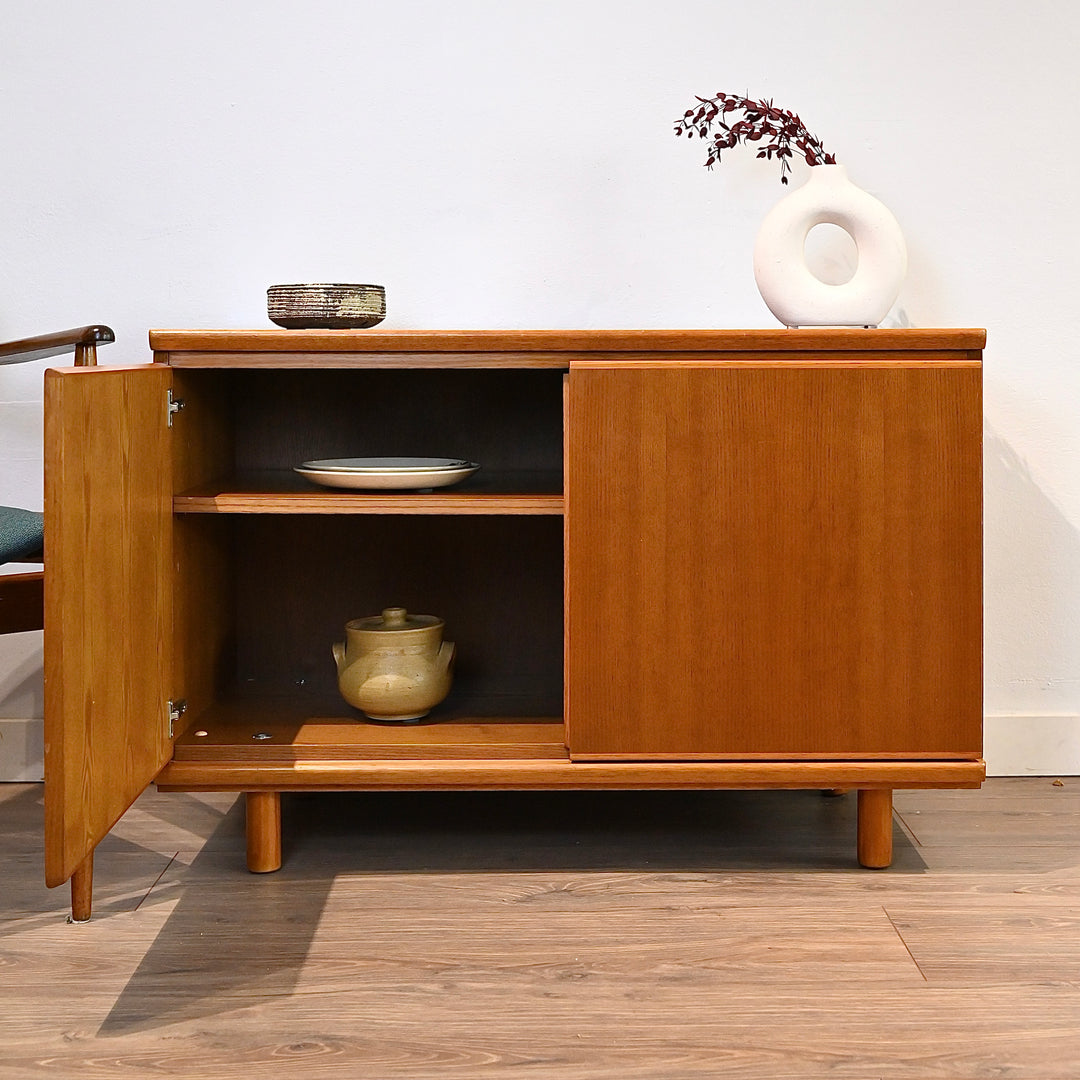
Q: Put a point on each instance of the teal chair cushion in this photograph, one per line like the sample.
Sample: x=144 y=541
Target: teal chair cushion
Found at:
x=22 y=534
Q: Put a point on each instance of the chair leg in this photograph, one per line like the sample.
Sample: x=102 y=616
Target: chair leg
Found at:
x=875 y=827
x=82 y=890
x=263 y=831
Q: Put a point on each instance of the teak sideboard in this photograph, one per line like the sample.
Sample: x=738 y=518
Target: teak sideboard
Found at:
x=690 y=559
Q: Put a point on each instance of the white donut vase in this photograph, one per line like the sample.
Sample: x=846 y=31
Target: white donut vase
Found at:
x=787 y=285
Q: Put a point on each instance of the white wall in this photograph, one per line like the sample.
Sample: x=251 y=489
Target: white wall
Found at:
x=502 y=165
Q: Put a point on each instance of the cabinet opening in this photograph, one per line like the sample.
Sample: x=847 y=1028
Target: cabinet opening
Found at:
x=243 y=428
x=262 y=598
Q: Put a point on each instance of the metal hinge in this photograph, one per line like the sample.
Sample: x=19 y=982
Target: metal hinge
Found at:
x=176 y=710
x=175 y=405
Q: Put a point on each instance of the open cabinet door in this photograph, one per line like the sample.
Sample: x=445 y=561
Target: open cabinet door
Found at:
x=108 y=600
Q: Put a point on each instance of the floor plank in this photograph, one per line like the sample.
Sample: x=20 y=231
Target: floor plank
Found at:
x=576 y=935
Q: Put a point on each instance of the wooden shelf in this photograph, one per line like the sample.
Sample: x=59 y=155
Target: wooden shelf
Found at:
x=286 y=492
x=281 y=732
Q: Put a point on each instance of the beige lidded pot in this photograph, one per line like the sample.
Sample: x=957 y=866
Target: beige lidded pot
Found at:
x=394 y=666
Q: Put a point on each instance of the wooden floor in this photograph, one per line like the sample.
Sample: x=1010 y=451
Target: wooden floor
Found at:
x=616 y=935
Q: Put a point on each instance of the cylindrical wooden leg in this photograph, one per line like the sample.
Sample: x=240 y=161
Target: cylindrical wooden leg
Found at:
x=82 y=890
x=263 y=831
x=875 y=827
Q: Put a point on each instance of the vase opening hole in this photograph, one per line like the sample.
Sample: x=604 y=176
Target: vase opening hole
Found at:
x=831 y=254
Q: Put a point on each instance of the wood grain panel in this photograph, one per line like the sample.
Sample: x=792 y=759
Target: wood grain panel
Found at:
x=203 y=640
x=280 y=492
x=792 y=355
x=246 y=733
x=767 y=560
x=108 y=600
x=525 y=342
x=373 y=361
x=438 y=774
x=204 y=643
x=202 y=436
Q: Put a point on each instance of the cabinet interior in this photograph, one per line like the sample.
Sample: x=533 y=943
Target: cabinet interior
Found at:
x=260 y=597
x=244 y=424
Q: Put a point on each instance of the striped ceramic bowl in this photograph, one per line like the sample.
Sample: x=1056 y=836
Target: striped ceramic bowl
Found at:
x=326 y=307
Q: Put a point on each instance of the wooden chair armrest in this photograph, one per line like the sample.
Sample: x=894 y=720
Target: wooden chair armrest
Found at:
x=82 y=341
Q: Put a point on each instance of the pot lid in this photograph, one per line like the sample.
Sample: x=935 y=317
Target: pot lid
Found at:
x=396 y=618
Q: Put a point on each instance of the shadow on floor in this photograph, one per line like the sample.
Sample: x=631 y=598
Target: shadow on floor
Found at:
x=128 y=869
x=695 y=831
x=267 y=922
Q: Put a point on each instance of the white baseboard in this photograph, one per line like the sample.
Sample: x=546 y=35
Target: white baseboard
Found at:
x=1015 y=745
x=22 y=751
x=1023 y=744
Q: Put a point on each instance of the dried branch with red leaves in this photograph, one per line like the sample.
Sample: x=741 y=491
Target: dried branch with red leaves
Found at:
x=783 y=133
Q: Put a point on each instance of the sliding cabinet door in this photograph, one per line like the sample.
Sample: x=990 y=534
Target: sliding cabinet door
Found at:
x=774 y=560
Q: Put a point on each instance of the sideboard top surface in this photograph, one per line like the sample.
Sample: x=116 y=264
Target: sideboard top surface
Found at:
x=556 y=347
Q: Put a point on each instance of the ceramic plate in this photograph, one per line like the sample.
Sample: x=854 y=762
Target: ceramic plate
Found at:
x=387 y=473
